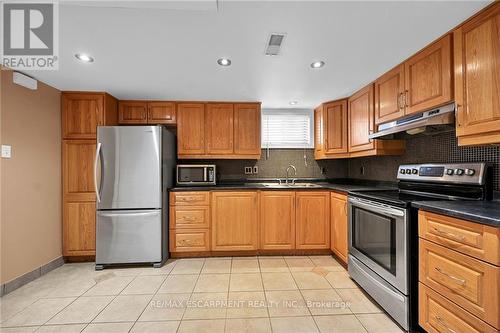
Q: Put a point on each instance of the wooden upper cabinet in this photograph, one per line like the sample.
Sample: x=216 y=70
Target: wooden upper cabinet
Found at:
x=234 y=221
x=161 y=113
x=277 y=220
x=477 y=78
x=83 y=112
x=338 y=225
x=247 y=140
x=312 y=220
x=78 y=169
x=220 y=128
x=190 y=129
x=318 y=133
x=361 y=120
x=335 y=127
x=428 y=80
x=389 y=93
x=133 y=112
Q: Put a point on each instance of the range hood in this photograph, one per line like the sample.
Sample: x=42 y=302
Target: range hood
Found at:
x=434 y=121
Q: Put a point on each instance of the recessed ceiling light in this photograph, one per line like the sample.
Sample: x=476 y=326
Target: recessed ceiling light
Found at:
x=84 y=57
x=224 y=62
x=317 y=64
x=293 y=102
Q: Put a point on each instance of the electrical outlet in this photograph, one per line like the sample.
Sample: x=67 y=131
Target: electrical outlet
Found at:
x=255 y=170
x=6 y=151
x=362 y=170
x=248 y=170
x=323 y=170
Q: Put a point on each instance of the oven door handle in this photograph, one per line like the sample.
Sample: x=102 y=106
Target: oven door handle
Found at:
x=378 y=208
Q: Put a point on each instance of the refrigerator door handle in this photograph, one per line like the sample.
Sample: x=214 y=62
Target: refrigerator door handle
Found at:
x=155 y=212
x=96 y=160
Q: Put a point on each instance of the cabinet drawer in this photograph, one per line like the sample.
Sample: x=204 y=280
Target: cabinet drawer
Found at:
x=470 y=283
x=189 y=217
x=477 y=240
x=190 y=198
x=436 y=314
x=191 y=240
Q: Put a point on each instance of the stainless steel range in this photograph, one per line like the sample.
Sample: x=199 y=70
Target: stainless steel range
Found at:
x=383 y=234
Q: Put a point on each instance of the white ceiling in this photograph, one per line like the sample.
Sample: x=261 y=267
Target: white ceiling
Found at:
x=154 y=50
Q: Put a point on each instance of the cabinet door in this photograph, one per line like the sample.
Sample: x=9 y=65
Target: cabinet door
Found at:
x=477 y=79
x=81 y=114
x=335 y=127
x=313 y=220
x=220 y=118
x=78 y=169
x=277 y=220
x=428 y=77
x=234 y=221
x=361 y=120
x=338 y=225
x=190 y=129
x=161 y=113
x=318 y=133
x=389 y=90
x=247 y=129
x=78 y=228
x=132 y=112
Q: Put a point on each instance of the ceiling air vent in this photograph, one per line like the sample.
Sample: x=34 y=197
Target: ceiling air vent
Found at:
x=274 y=44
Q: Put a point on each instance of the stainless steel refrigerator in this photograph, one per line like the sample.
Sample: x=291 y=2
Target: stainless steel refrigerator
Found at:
x=134 y=167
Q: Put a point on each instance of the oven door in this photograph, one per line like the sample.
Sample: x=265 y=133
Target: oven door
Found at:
x=378 y=238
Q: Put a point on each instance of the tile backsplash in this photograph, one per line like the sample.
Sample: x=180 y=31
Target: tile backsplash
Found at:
x=275 y=166
x=439 y=148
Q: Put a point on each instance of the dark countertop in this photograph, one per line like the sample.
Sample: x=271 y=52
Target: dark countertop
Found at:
x=484 y=212
x=343 y=185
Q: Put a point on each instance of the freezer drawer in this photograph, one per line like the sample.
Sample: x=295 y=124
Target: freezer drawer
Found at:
x=128 y=236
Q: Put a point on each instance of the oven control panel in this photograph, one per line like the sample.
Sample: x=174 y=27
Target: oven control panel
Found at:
x=464 y=173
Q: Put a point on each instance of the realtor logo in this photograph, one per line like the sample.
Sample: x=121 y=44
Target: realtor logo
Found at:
x=30 y=35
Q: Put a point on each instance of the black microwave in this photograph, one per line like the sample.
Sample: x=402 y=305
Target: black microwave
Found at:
x=192 y=174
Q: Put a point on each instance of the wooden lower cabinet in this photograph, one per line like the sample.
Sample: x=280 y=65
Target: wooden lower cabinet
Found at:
x=277 y=220
x=189 y=240
x=312 y=219
x=234 y=221
x=338 y=225
x=79 y=228
x=438 y=315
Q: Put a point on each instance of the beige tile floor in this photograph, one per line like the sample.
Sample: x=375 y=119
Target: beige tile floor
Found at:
x=252 y=294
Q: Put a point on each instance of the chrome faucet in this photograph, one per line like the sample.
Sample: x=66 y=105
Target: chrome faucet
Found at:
x=294 y=173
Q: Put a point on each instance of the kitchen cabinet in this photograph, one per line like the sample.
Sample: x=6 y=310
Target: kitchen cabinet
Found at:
x=389 y=95
x=190 y=129
x=189 y=222
x=219 y=128
x=459 y=262
x=312 y=219
x=477 y=78
x=247 y=129
x=146 y=112
x=428 y=80
x=338 y=225
x=361 y=124
x=420 y=83
x=319 y=152
x=277 y=220
x=83 y=112
x=335 y=127
x=361 y=121
x=161 y=113
x=133 y=112
x=234 y=220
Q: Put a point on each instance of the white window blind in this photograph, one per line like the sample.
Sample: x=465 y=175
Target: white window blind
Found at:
x=287 y=129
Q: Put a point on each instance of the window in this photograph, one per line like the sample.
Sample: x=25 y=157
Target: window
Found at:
x=287 y=128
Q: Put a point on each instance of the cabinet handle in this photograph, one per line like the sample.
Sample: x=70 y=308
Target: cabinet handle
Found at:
x=406 y=98
x=188 y=199
x=450 y=235
x=188 y=218
x=400 y=103
x=460 y=281
x=443 y=323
